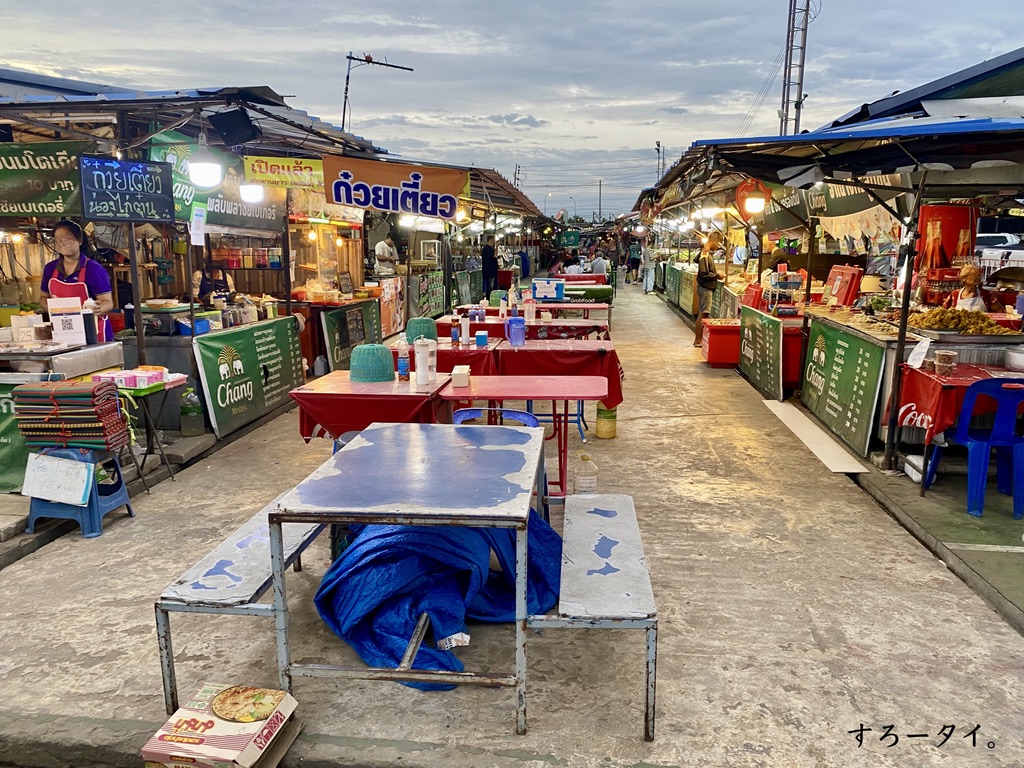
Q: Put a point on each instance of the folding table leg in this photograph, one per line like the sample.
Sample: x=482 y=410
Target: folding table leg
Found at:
x=163 y=638
x=651 y=678
x=521 y=538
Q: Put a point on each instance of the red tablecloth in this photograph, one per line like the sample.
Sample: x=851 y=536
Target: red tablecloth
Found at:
x=561 y=328
x=561 y=357
x=556 y=308
x=333 y=405
x=932 y=402
x=481 y=360
x=586 y=277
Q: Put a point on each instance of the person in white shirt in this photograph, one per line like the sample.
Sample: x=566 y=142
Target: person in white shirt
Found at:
x=599 y=266
x=574 y=268
x=648 y=260
x=385 y=257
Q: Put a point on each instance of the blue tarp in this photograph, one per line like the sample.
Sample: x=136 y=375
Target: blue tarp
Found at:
x=373 y=595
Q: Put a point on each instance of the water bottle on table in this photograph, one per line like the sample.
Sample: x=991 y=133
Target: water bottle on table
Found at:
x=403 y=358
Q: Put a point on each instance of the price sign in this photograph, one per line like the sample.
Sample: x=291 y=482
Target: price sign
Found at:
x=126 y=190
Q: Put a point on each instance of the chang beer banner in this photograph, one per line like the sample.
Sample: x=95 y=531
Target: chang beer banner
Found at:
x=224 y=204
x=825 y=200
x=13 y=451
x=248 y=371
x=41 y=179
x=346 y=328
x=394 y=187
x=842 y=379
x=761 y=351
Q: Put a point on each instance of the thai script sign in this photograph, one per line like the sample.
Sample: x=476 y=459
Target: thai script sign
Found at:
x=41 y=179
x=284 y=171
x=761 y=351
x=224 y=204
x=125 y=190
x=348 y=327
x=394 y=187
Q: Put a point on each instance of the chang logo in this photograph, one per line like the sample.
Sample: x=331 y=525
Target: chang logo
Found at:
x=814 y=374
x=6 y=404
x=235 y=389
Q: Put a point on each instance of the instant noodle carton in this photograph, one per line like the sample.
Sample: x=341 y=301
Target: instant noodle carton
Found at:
x=226 y=726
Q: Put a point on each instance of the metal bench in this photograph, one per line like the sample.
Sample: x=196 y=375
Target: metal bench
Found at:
x=229 y=580
x=605 y=582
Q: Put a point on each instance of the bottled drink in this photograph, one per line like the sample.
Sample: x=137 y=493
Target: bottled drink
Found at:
x=403 y=358
x=191 y=415
x=455 y=331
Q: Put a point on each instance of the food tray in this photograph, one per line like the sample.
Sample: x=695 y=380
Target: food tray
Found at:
x=955 y=337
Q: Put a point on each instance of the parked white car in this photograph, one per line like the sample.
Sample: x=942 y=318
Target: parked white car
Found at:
x=996 y=240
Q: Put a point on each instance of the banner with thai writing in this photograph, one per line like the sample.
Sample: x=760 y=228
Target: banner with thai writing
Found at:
x=224 y=204
x=394 y=187
x=284 y=171
x=41 y=179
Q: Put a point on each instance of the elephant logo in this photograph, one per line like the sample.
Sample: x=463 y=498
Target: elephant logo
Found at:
x=229 y=363
x=818 y=353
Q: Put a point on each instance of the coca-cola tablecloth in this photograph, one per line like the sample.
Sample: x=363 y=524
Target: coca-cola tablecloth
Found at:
x=932 y=402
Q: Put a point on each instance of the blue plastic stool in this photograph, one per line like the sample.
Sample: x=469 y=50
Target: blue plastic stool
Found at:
x=103 y=498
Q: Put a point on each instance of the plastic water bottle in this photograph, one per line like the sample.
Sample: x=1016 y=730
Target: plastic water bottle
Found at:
x=403 y=358
x=585 y=473
x=455 y=331
x=191 y=414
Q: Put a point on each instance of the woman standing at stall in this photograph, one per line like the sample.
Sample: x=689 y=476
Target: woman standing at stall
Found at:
x=971 y=297
x=73 y=275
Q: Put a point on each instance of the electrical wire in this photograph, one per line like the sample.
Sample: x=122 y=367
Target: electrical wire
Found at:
x=762 y=94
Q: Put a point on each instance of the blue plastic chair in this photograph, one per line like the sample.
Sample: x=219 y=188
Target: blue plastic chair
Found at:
x=1008 y=395
x=524 y=418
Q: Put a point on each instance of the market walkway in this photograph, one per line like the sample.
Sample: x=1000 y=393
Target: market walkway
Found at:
x=793 y=610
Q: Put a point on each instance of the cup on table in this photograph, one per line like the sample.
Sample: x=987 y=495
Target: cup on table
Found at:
x=481 y=338
x=945 y=362
x=928 y=365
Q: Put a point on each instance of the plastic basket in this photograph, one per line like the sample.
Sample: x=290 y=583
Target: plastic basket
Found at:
x=421 y=326
x=371 y=363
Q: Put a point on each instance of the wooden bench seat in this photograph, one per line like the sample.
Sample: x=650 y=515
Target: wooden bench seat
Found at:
x=229 y=580
x=605 y=581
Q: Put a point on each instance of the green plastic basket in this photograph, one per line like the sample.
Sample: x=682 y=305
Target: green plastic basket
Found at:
x=421 y=326
x=370 y=363
x=496 y=297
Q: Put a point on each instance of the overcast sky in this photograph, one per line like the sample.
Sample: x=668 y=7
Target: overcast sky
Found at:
x=571 y=91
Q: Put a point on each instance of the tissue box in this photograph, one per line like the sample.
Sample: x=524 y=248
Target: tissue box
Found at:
x=146 y=378
x=460 y=376
x=548 y=288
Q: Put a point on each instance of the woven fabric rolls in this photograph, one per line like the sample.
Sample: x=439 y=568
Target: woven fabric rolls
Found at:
x=70 y=414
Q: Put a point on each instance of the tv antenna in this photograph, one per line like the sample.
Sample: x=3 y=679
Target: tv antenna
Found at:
x=362 y=61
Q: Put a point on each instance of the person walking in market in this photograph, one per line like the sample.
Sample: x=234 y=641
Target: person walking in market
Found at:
x=707 y=280
x=648 y=261
x=634 y=261
x=490 y=266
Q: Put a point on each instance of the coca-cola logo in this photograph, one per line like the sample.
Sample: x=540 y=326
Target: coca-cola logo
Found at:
x=911 y=417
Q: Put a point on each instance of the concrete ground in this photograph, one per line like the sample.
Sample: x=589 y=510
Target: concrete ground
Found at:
x=793 y=610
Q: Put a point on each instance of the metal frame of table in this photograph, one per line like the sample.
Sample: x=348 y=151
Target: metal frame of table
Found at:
x=347 y=489
x=497 y=389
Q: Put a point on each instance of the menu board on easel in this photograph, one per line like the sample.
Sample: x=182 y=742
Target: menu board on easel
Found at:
x=126 y=190
x=761 y=351
x=463 y=288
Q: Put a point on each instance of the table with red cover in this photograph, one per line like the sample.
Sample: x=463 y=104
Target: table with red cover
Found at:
x=498 y=389
x=559 y=328
x=554 y=307
x=565 y=357
x=481 y=360
x=333 y=404
x=932 y=402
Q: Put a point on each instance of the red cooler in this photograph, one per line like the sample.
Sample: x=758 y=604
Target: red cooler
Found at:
x=720 y=342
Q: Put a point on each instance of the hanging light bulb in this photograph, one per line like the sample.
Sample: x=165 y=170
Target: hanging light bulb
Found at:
x=311 y=234
x=203 y=168
x=754 y=202
x=339 y=241
x=251 y=193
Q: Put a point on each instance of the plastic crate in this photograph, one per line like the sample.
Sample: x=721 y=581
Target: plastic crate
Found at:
x=720 y=342
x=202 y=326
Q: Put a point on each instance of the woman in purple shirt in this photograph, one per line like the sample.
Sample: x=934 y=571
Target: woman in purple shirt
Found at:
x=74 y=274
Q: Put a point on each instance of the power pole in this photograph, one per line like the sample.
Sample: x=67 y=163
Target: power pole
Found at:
x=599 y=200
x=793 y=75
x=657 y=148
x=363 y=61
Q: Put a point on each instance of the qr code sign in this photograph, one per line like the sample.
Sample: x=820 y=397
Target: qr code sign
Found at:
x=67 y=324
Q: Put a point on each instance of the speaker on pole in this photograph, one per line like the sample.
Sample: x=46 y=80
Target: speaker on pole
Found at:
x=234 y=127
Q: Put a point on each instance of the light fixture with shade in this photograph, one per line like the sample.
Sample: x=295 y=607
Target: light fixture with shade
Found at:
x=251 y=193
x=755 y=201
x=752 y=197
x=204 y=170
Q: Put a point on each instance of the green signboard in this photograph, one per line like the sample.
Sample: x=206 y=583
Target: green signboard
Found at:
x=248 y=371
x=13 y=452
x=569 y=239
x=687 y=291
x=672 y=283
x=224 y=204
x=346 y=328
x=716 y=301
x=842 y=379
x=41 y=179
x=761 y=351
x=426 y=294
x=476 y=286
x=463 y=288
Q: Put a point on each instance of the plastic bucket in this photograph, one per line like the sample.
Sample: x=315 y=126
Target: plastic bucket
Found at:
x=605 y=421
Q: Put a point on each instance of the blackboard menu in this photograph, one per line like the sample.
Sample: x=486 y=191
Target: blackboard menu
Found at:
x=842 y=378
x=126 y=190
x=761 y=351
x=463 y=288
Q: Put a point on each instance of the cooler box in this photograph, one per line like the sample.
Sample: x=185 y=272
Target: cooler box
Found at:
x=792 y=368
x=844 y=284
x=548 y=289
x=720 y=342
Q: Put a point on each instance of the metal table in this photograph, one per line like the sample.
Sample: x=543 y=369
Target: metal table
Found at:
x=358 y=485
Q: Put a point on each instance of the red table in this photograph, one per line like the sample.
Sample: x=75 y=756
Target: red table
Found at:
x=932 y=402
x=333 y=405
x=481 y=360
x=586 y=277
x=497 y=389
x=557 y=329
x=558 y=357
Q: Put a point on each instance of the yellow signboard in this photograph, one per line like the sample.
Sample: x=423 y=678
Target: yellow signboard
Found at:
x=284 y=171
x=395 y=187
